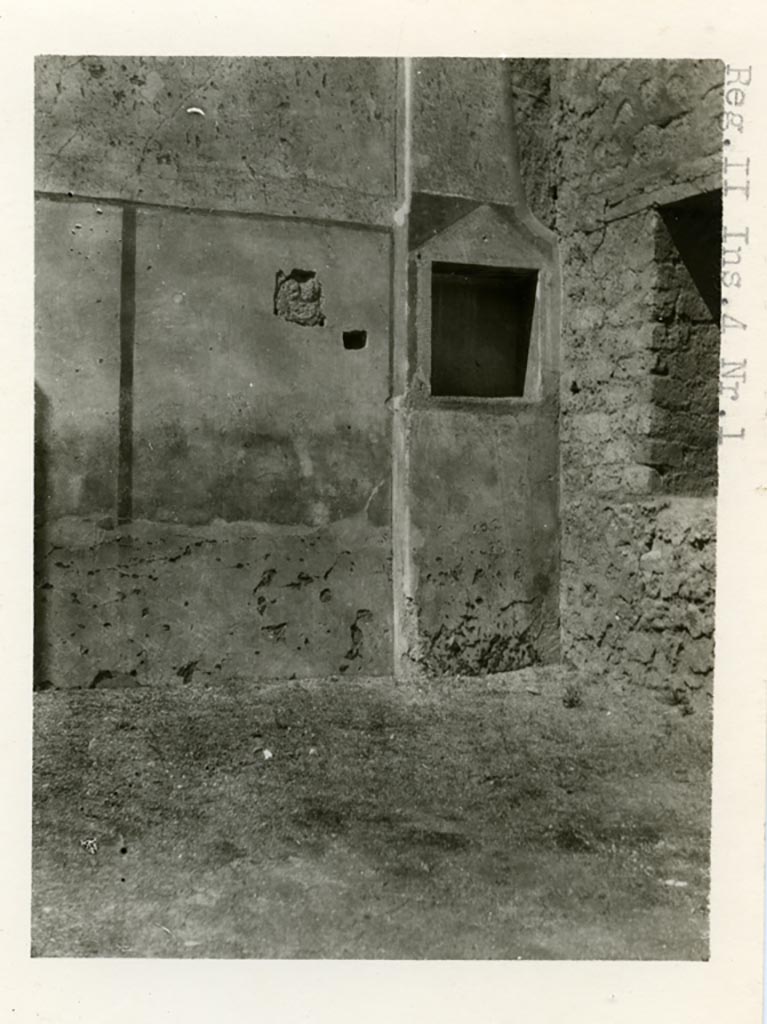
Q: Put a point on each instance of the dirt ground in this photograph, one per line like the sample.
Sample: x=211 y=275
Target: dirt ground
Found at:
x=523 y=816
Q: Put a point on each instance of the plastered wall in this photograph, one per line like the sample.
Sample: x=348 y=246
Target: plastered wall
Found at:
x=259 y=444
x=483 y=474
x=268 y=461
x=260 y=455
x=311 y=137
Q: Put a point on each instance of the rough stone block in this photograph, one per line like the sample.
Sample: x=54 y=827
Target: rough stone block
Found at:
x=640 y=479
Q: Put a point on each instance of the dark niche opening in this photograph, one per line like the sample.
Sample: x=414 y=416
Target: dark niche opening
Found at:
x=481 y=322
x=682 y=445
x=355 y=340
x=695 y=227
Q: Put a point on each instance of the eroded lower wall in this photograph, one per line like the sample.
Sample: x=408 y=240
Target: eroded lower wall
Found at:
x=234 y=600
x=638 y=590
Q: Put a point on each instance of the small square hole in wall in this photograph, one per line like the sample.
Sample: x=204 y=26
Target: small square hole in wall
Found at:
x=355 y=340
x=481 y=322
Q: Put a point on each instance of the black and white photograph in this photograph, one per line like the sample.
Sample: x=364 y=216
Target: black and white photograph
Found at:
x=378 y=409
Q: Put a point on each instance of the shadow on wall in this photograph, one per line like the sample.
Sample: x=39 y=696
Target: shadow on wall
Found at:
x=684 y=444
x=41 y=497
x=695 y=227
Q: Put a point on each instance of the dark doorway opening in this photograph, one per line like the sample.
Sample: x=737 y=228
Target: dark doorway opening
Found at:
x=682 y=447
x=695 y=226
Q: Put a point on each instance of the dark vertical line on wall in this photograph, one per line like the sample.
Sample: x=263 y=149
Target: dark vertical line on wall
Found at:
x=41 y=650
x=127 y=340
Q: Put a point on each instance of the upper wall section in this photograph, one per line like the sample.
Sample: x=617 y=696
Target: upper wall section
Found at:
x=531 y=87
x=298 y=137
x=632 y=133
x=462 y=129
x=600 y=139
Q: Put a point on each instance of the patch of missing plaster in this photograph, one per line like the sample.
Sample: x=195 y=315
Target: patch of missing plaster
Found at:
x=277 y=631
x=185 y=672
x=266 y=578
x=298 y=298
x=357 y=637
x=468 y=649
x=302 y=580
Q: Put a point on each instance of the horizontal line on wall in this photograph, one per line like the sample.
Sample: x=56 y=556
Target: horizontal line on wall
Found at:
x=353 y=225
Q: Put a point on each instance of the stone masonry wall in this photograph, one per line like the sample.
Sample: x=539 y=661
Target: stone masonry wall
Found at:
x=637 y=563
x=638 y=597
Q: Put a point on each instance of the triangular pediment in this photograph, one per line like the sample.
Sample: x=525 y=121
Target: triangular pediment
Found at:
x=475 y=231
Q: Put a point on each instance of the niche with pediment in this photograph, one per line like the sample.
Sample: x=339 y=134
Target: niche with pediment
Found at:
x=482 y=302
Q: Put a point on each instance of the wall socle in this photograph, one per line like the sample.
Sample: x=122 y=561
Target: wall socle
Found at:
x=638 y=590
